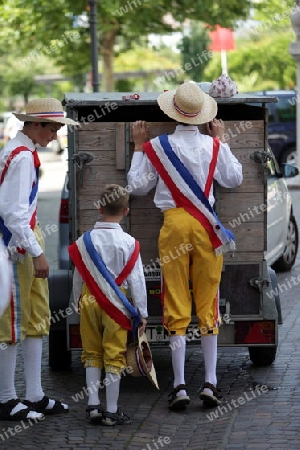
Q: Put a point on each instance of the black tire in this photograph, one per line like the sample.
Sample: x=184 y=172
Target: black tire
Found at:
x=262 y=356
x=288 y=258
x=59 y=357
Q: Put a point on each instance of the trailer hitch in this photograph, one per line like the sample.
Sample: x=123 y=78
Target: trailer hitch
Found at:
x=80 y=160
x=259 y=282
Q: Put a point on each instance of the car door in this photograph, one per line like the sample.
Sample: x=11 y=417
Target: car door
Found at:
x=278 y=207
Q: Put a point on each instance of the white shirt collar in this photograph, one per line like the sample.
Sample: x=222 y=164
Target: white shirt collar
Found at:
x=180 y=128
x=107 y=225
x=25 y=140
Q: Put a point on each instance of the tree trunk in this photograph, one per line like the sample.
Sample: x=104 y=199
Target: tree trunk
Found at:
x=107 y=52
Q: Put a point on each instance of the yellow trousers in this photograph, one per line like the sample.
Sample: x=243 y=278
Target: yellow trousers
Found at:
x=28 y=312
x=186 y=254
x=103 y=340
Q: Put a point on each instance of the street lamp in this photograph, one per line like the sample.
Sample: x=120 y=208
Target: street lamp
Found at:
x=94 y=44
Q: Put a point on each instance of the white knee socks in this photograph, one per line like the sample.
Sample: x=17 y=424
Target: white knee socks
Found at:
x=93 y=379
x=209 y=345
x=178 y=345
x=32 y=355
x=8 y=358
x=112 y=392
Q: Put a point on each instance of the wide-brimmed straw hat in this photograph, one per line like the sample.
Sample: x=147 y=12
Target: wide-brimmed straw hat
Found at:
x=45 y=110
x=188 y=104
x=139 y=358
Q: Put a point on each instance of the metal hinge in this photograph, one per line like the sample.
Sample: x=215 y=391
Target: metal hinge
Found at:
x=80 y=160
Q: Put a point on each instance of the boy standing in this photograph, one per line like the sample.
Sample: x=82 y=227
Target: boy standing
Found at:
x=29 y=304
x=182 y=167
x=107 y=261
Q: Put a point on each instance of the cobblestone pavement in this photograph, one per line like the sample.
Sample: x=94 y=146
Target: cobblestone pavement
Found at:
x=260 y=409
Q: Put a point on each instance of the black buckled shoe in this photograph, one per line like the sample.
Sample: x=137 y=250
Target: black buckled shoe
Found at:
x=210 y=400
x=178 y=402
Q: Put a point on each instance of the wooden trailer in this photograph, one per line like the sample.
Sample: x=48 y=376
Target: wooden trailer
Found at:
x=100 y=151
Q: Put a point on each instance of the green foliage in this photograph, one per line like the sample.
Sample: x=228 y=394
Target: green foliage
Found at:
x=47 y=27
x=193 y=46
x=267 y=65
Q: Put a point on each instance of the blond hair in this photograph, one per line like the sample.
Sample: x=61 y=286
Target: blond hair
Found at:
x=114 y=199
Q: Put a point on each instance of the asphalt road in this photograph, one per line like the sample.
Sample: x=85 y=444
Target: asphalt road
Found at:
x=260 y=409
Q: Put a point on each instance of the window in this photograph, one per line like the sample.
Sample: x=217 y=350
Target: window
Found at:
x=286 y=111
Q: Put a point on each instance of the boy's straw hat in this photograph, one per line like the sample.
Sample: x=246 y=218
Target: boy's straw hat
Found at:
x=139 y=358
x=45 y=110
x=188 y=104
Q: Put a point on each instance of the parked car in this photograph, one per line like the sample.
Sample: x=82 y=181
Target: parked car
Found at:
x=282 y=124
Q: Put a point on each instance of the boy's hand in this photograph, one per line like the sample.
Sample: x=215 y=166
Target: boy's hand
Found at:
x=41 y=266
x=142 y=326
x=140 y=134
x=216 y=128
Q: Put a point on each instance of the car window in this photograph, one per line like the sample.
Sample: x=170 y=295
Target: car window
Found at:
x=286 y=111
x=271 y=112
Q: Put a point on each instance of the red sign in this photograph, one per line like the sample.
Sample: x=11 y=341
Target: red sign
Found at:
x=221 y=39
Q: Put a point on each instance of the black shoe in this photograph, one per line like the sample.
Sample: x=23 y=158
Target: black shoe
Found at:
x=178 y=403
x=213 y=399
x=42 y=406
x=94 y=413
x=23 y=414
x=117 y=418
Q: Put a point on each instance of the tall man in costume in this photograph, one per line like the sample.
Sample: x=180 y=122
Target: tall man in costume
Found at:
x=182 y=167
x=24 y=318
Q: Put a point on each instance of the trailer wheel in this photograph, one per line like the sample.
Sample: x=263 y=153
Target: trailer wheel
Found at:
x=262 y=356
x=59 y=357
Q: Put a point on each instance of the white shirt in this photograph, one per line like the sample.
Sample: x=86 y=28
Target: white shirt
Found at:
x=14 y=196
x=194 y=149
x=5 y=278
x=115 y=248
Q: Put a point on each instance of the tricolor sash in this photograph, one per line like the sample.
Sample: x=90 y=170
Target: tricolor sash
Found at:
x=3 y=228
x=101 y=283
x=187 y=193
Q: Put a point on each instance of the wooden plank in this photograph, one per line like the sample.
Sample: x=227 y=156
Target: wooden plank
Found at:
x=234 y=205
x=243 y=257
x=101 y=138
x=120 y=146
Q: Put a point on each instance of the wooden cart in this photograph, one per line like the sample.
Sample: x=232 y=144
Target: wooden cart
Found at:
x=100 y=152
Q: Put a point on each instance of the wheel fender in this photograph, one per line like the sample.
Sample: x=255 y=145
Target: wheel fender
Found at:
x=274 y=283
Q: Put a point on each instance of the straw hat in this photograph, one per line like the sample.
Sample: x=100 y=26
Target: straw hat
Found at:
x=139 y=358
x=45 y=110
x=188 y=104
